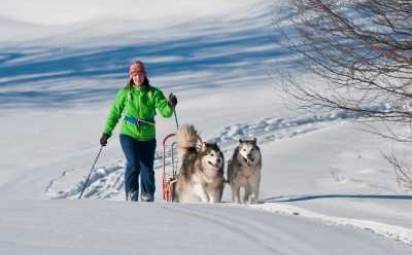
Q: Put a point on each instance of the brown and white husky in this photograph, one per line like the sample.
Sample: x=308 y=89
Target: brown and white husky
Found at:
x=201 y=177
x=244 y=170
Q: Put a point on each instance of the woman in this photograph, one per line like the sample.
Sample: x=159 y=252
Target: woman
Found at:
x=136 y=106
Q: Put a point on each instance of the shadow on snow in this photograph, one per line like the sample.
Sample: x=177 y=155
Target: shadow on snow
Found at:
x=281 y=199
x=223 y=55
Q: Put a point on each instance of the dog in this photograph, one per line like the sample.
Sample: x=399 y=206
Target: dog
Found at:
x=201 y=177
x=244 y=170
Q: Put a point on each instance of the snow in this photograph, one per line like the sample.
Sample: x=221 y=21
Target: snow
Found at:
x=326 y=188
x=98 y=227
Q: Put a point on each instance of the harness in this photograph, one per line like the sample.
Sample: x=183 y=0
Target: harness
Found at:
x=138 y=122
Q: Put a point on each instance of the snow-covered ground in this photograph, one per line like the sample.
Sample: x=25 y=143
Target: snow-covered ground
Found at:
x=326 y=188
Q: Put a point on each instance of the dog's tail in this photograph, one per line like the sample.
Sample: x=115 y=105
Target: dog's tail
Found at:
x=186 y=138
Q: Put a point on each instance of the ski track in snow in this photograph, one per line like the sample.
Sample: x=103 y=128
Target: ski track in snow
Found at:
x=386 y=230
x=240 y=226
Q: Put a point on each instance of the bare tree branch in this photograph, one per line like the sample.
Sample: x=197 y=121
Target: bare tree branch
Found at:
x=363 y=48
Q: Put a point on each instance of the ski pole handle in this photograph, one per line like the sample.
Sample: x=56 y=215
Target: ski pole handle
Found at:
x=90 y=173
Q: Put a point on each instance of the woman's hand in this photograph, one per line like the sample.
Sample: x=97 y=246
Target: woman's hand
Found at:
x=103 y=139
x=172 y=100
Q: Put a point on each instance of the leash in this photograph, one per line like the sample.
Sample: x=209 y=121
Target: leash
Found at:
x=137 y=121
x=90 y=173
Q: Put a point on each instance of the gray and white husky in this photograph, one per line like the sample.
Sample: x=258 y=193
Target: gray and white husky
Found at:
x=244 y=170
x=201 y=177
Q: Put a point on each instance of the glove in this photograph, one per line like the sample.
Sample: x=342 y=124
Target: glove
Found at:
x=172 y=100
x=103 y=139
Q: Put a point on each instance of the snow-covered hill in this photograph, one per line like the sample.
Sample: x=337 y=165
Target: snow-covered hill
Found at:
x=326 y=188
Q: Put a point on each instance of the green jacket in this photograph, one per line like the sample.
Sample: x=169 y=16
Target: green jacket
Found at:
x=137 y=103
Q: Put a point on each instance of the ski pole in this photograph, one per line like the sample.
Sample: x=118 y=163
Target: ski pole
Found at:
x=174 y=112
x=90 y=173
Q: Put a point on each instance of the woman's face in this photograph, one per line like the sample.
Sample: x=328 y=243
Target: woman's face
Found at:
x=138 y=78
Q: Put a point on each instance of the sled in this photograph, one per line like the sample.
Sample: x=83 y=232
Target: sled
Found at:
x=170 y=171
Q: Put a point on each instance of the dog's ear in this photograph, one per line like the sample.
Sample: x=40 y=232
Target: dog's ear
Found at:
x=240 y=140
x=204 y=146
x=254 y=141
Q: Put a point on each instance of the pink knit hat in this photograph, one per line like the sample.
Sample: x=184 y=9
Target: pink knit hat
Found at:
x=136 y=67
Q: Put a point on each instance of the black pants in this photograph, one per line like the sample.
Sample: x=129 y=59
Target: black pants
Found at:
x=140 y=160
